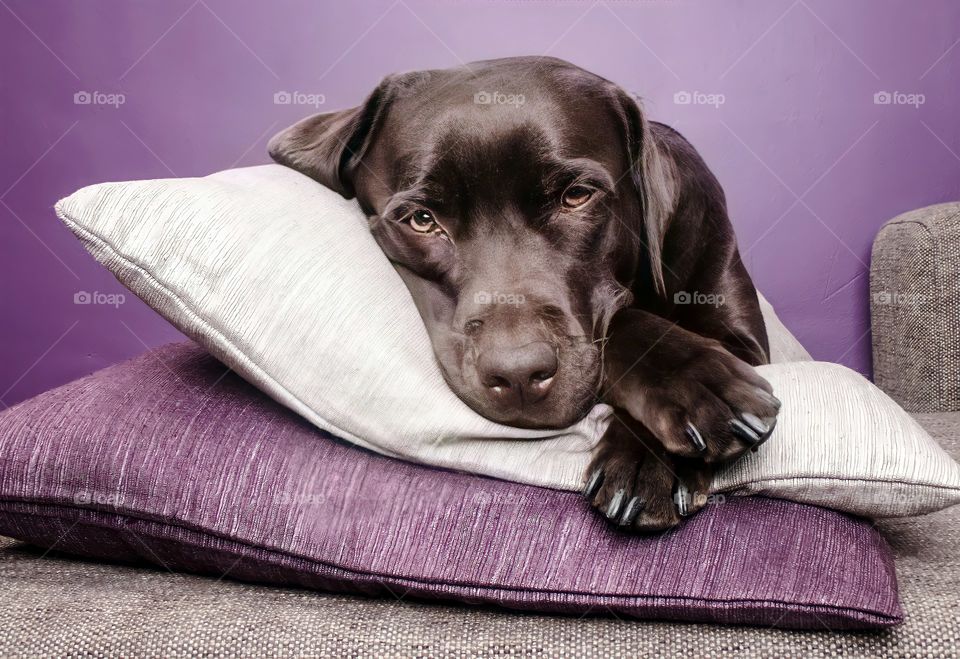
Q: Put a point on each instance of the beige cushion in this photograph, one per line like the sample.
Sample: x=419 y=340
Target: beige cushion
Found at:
x=279 y=278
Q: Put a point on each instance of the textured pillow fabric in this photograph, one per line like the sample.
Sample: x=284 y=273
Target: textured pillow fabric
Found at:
x=279 y=278
x=167 y=459
x=842 y=443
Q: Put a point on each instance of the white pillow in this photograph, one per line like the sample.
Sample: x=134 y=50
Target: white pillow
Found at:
x=280 y=279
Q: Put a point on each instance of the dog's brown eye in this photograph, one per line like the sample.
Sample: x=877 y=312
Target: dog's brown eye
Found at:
x=422 y=221
x=576 y=196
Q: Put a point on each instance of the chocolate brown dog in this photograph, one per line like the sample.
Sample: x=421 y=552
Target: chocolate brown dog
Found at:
x=562 y=250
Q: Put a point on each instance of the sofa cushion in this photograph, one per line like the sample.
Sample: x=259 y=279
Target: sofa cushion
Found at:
x=914 y=304
x=172 y=460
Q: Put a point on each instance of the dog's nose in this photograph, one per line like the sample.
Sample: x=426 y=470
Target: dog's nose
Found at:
x=514 y=376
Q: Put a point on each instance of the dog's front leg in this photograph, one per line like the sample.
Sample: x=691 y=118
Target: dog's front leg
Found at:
x=684 y=404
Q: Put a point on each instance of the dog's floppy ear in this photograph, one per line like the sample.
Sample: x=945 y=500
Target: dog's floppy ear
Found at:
x=654 y=180
x=327 y=147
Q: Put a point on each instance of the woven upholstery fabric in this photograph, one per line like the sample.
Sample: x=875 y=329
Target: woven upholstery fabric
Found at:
x=280 y=279
x=54 y=605
x=915 y=298
x=169 y=460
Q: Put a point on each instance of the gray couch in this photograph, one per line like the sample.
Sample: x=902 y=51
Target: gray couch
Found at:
x=57 y=605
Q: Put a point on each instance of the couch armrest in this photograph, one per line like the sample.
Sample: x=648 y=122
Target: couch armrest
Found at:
x=915 y=308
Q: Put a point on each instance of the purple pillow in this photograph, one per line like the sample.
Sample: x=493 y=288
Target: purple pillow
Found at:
x=171 y=460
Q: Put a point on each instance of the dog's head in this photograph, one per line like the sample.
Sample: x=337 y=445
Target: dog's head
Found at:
x=520 y=199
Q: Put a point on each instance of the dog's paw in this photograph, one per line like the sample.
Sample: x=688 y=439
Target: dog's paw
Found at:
x=638 y=487
x=712 y=406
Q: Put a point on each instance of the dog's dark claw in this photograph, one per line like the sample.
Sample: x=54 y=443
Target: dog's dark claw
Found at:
x=763 y=427
x=613 y=510
x=681 y=497
x=594 y=483
x=745 y=432
x=695 y=437
x=630 y=512
x=769 y=433
x=770 y=398
x=755 y=423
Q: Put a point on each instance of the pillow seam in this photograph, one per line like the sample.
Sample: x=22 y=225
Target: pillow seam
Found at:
x=811 y=606
x=852 y=479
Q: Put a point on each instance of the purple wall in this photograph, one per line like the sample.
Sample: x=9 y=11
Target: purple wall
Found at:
x=811 y=164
